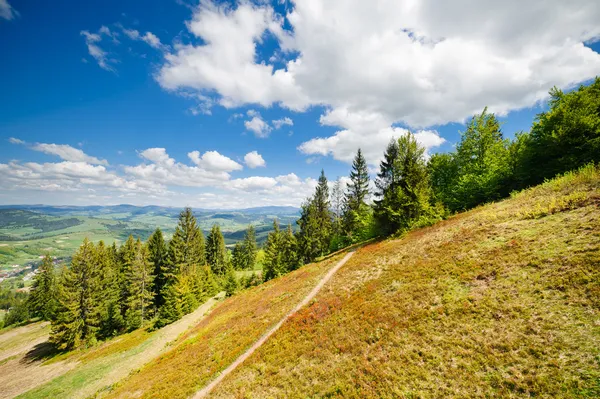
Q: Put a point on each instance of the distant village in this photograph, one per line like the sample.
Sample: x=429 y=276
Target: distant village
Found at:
x=28 y=271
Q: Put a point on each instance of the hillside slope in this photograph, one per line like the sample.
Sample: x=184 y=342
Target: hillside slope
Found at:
x=502 y=301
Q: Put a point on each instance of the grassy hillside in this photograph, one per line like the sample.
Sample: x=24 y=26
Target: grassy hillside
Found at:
x=501 y=301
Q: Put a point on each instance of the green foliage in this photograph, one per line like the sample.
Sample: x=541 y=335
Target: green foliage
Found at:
x=157 y=255
x=19 y=313
x=216 y=253
x=403 y=186
x=273 y=266
x=249 y=249
x=289 y=250
x=251 y=281
x=231 y=283
x=42 y=299
x=139 y=280
x=170 y=311
x=356 y=196
x=565 y=137
x=79 y=295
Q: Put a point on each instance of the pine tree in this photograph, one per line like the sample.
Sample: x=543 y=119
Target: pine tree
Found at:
x=216 y=253
x=249 y=248
x=126 y=259
x=187 y=246
x=182 y=269
x=386 y=177
x=357 y=213
x=404 y=185
x=42 y=298
x=78 y=313
x=308 y=236
x=323 y=215
x=170 y=311
x=273 y=265
x=289 y=250
x=158 y=252
x=237 y=258
x=231 y=283
x=111 y=319
x=139 y=280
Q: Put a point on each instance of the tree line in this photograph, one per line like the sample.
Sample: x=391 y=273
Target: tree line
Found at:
x=412 y=190
x=108 y=290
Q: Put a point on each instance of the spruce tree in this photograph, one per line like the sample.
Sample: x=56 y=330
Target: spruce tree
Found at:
x=249 y=248
x=111 y=319
x=273 y=265
x=42 y=298
x=126 y=259
x=181 y=273
x=170 y=311
x=289 y=249
x=237 y=257
x=323 y=215
x=216 y=253
x=77 y=319
x=308 y=236
x=357 y=214
x=231 y=283
x=158 y=251
x=139 y=280
x=405 y=197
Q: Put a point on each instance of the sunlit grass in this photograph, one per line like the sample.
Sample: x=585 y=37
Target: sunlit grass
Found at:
x=490 y=303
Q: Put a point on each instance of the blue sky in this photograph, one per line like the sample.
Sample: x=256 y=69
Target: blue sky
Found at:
x=160 y=102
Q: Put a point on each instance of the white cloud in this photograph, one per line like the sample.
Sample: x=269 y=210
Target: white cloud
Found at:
x=260 y=128
x=254 y=160
x=212 y=160
x=67 y=153
x=7 y=11
x=102 y=57
x=278 y=123
x=388 y=62
x=345 y=143
x=149 y=38
x=64 y=151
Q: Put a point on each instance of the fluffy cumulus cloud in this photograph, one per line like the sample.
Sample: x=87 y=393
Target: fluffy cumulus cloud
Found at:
x=254 y=160
x=387 y=62
x=258 y=126
x=212 y=160
x=7 y=11
x=158 y=178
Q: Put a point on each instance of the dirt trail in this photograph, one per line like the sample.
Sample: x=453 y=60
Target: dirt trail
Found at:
x=20 y=373
x=208 y=388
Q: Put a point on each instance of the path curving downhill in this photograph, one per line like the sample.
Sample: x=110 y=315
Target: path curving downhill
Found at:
x=208 y=388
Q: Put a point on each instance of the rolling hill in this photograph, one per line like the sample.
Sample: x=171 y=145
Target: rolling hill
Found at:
x=500 y=301
x=30 y=231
